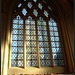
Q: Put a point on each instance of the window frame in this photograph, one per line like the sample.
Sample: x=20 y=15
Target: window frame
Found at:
x=38 y=59
x=36 y=18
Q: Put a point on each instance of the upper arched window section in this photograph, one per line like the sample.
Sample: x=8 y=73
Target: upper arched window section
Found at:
x=35 y=7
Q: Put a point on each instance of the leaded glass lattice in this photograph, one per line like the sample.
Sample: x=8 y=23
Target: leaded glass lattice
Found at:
x=55 y=43
x=30 y=39
x=43 y=43
x=17 y=43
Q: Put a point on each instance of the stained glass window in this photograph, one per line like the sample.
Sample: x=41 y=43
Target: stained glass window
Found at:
x=55 y=43
x=17 y=43
x=30 y=39
x=43 y=43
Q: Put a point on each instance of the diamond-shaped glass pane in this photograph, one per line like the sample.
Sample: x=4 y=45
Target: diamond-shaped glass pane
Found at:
x=30 y=5
x=24 y=12
x=46 y=13
x=35 y=12
x=40 y=5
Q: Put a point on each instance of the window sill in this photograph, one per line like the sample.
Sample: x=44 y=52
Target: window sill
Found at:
x=36 y=70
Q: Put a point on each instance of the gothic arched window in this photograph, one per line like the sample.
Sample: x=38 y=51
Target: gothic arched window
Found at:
x=35 y=36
